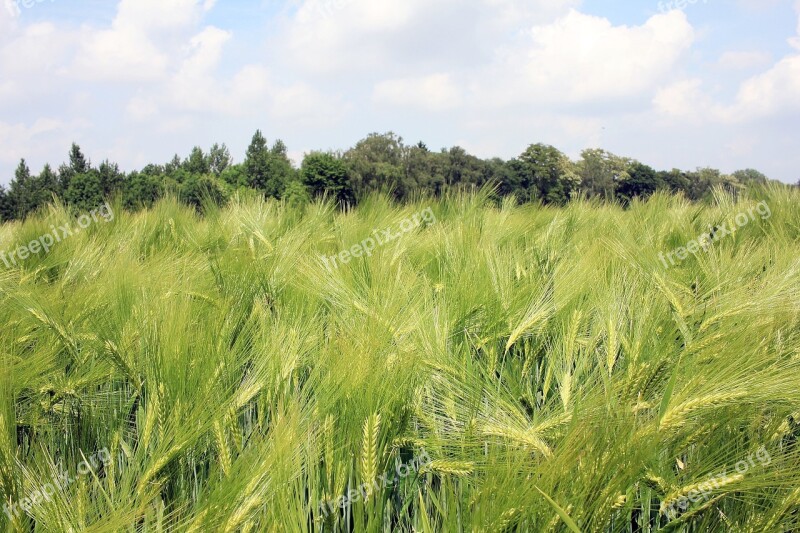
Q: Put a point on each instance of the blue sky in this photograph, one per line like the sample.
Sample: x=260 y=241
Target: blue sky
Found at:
x=704 y=83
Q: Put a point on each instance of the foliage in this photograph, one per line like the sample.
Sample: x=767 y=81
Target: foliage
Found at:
x=78 y=164
x=201 y=191
x=267 y=170
x=641 y=182
x=112 y=181
x=142 y=191
x=547 y=174
x=750 y=176
x=379 y=163
x=85 y=191
x=219 y=159
x=601 y=173
x=6 y=209
x=197 y=163
x=324 y=173
x=376 y=163
x=296 y=194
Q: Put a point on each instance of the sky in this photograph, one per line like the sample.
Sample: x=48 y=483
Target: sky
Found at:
x=680 y=84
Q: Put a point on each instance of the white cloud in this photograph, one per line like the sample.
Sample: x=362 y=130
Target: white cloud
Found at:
x=119 y=55
x=197 y=88
x=338 y=36
x=31 y=58
x=140 y=42
x=680 y=100
x=437 y=92
x=153 y=16
x=743 y=60
x=576 y=59
x=582 y=58
x=41 y=138
x=775 y=91
x=141 y=109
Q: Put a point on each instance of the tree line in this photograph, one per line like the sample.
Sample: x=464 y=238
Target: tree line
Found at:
x=380 y=162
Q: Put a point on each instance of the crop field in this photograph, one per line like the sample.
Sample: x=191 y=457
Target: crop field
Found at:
x=453 y=364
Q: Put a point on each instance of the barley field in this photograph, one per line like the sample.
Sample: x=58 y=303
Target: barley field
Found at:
x=490 y=367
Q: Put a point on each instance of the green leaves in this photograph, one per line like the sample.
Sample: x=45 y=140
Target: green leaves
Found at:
x=569 y=522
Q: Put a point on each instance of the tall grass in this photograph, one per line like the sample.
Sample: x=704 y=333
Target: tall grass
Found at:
x=556 y=374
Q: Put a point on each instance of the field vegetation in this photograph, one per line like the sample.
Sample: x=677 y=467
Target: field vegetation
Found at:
x=497 y=367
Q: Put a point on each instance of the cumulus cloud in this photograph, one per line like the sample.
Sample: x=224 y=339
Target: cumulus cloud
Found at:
x=770 y=93
x=41 y=138
x=582 y=58
x=775 y=91
x=680 y=99
x=576 y=59
x=437 y=92
x=743 y=60
x=153 y=16
x=136 y=46
x=327 y=36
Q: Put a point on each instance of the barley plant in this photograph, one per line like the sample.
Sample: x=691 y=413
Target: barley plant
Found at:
x=500 y=368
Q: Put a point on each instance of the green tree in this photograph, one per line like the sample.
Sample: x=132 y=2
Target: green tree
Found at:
x=174 y=165
x=78 y=164
x=376 y=163
x=154 y=170
x=548 y=174
x=235 y=175
x=601 y=172
x=464 y=169
x=6 y=211
x=323 y=173
x=197 y=163
x=21 y=192
x=141 y=191
x=642 y=181
x=500 y=173
x=219 y=159
x=281 y=169
x=750 y=176
x=296 y=194
x=424 y=170
x=85 y=191
x=201 y=190
x=675 y=180
x=45 y=186
x=704 y=180
x=267 y=170
x=77 y=161
x=112 y=180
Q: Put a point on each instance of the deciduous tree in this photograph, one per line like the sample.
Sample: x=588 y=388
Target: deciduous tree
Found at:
x=323 y=173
